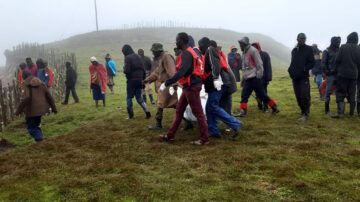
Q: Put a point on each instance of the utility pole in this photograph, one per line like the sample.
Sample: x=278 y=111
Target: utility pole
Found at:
x=96 y=17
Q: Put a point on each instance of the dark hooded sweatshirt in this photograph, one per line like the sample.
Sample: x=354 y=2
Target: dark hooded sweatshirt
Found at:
x=302 y=60
x=265 y=57
x=348 y=58
x=328 y=63
x=134 y=66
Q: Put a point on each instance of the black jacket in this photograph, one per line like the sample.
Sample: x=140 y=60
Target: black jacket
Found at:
x=71 y=77
x=186 y=68
x=134 y=67
x=328 y=62
x=348 y=58
x=265 y=57
x=316 y=70
x=213 y=64
x=302 y=60
x=147 y=63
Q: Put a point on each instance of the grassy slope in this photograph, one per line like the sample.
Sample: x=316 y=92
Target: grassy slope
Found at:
x=95 y=154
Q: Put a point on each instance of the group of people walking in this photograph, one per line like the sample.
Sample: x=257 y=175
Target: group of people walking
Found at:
x=204 y=67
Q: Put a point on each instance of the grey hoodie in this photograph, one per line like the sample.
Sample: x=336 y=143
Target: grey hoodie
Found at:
x=252 y=64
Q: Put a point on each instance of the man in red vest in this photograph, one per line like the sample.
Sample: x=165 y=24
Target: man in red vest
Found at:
x=189 y=76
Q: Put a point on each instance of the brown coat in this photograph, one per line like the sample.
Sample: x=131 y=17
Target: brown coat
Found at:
x=35 y=98
x=164 y=69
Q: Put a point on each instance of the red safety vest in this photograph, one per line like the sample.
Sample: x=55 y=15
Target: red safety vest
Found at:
x=223 y=65
x=198 y=67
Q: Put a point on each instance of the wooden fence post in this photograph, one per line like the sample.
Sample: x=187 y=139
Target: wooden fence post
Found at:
x=2 y=103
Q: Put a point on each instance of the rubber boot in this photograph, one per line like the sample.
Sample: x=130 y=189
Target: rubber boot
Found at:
x=275 y=109
x=144 y=98
x=130 y=112
x=358 y=108
x=341 y=111
x=146 y=110
x=327 y=108
x=151 y=99
x=157 y=126
x=352 y=109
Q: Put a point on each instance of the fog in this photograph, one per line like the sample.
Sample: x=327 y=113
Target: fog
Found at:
x=45 y=21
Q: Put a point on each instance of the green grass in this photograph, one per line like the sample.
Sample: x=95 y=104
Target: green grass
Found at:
x=97 y=155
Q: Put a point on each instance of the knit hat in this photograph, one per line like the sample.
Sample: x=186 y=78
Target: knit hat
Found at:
x=93 y=59
x=233 y=47
x=156 y=47
x=245 y=40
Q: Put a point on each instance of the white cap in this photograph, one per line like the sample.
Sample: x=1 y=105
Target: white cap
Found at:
x=93 y=59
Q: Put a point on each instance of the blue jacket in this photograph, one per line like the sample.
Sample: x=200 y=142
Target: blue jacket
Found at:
x=44 y=76
x=111 y=68
x=232 y=59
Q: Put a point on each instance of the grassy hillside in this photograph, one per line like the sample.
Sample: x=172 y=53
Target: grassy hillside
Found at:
x=113 y=40
x=97 y=155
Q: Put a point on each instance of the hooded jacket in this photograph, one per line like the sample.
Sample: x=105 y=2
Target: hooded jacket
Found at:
x=348 y=58
x=35 y=98
x=265 y=57
x=71 y=77
x=302 y=60
x=328 y=62
x=134 y=67
x=252 y=63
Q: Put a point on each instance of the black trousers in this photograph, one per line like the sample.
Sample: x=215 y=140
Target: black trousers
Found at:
x=345 y=88
x=226 y=101
x=251 y=85
x=302 y=93
x=73 y=92
x=358 y=90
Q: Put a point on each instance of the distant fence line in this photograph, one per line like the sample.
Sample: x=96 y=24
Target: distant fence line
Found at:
x=10 y=92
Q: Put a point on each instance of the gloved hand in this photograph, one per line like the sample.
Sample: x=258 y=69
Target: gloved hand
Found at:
x=217 y=84
x=162 y=87
x=259 y=75
x=171 y=90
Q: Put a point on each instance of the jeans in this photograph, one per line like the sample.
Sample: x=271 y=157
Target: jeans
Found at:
x=133 y=88
x=226 y=101
x=215 y=112
x=302 y=94
x=191 y=96
x=318 y=79
x=330 y=81
x=33 y=128
x=73 y=92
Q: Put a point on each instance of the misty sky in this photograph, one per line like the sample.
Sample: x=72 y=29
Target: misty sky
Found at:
x=50 y=20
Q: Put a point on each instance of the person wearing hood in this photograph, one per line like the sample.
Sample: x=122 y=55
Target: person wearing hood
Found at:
x=253 y=72
x=328 y=66
x=98 y=76
x=189 y=76
x=302 y=60
x=235 y=62
x=148 y=65
x=111 y=72
x=34 y=101
x=217 y=82
x=135 y=74
x=265 y=57
x=164 y=69
x=347 y=68
x=70 y=82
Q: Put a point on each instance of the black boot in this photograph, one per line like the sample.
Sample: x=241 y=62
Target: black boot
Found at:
x=130 y=112
x=146 y=110
x=266 y=108
x=157 y=126
x=327 y=108
x=275 y=109
x=188 y=124
x=341 y=111
x=358 y=108
x=352 y=109
x=144 y=98
x=260 y=105
x=151 y=99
